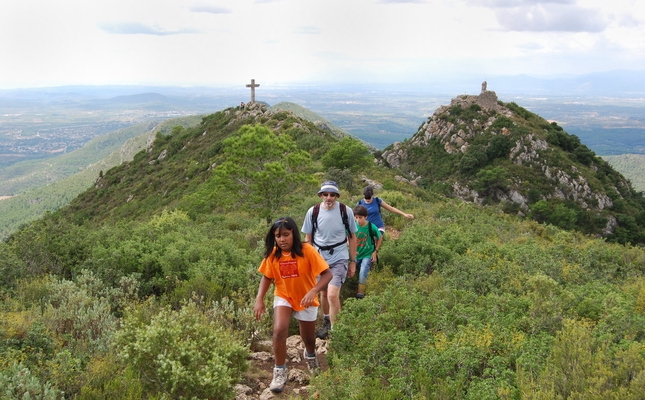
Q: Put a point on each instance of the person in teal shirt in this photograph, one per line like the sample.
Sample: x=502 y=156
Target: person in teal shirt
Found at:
x=368 y=242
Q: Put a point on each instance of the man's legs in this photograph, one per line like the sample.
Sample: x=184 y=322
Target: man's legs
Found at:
x=324 y=302
x=339 y=272
x=333 y=299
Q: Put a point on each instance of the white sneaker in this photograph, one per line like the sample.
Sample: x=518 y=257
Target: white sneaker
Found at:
x=279 y=379
x=312 y=362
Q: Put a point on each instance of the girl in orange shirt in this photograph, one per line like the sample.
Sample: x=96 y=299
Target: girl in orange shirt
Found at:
x=293 y=266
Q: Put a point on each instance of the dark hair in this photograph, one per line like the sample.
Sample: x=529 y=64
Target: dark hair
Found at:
x=368 y=192
x=360 y=210
x=270 y=246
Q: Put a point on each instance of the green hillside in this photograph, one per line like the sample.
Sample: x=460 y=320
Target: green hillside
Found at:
x=630 y=165
x=482 y=150
x=32 y=174
x=309 y=116
x=33 y=203
x=143 y=286
x=319 y=121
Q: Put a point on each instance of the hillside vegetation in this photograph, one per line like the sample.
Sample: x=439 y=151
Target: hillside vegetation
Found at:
x=65 y=177
x=482 y=150
x=630 y=165
x=143 y=286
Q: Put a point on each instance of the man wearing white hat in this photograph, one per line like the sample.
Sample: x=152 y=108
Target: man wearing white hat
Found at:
x=330 y=227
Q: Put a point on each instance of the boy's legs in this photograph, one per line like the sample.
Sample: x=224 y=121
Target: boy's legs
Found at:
x=364 y=265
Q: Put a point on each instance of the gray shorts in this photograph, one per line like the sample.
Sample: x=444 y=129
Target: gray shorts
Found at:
x=339 y=272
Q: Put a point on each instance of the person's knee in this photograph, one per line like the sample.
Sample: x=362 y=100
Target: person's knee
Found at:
x=333 y=291
x=280 y=332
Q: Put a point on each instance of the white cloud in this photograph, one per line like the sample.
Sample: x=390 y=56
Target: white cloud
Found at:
x=136 y=28
x=308 y=30
x=125 y=41
x=401 y=1
x=531 y=46
x=551 y=18
x=210 y=9
x=518 y=3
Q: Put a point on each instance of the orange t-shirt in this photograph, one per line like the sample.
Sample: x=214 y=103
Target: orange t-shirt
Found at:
x=294 y=277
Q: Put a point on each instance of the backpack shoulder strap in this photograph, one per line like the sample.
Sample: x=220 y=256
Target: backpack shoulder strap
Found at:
x=371 y=227
x=343 y=214
x=314 y=220
x=373 y=235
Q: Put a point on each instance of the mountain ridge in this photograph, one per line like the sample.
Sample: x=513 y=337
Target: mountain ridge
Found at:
x=486 y=151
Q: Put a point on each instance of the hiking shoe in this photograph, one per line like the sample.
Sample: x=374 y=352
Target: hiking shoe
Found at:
x=279 y=379
x=312 y=362
x=323 y=331
x=360 y=296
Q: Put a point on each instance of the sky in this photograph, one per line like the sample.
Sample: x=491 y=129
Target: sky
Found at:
x=47 y=43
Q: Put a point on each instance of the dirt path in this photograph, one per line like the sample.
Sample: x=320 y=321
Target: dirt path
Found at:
x=255 y=382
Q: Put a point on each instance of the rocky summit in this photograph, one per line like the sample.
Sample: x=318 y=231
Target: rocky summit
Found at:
x=483 y=150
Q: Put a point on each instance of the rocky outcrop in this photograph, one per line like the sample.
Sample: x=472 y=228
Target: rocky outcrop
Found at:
x=456 y=129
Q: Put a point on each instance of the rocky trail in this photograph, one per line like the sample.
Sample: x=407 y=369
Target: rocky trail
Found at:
x=255 y=382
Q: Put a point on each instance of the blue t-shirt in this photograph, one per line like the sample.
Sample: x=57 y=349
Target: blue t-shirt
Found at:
x=330 y=231
x=373 y=211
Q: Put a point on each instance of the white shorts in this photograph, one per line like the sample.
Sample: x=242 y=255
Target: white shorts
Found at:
x=308 y=314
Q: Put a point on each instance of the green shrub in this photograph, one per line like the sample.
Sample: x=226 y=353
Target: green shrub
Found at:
x=85 y=321
x=17 y=383
x=11 y=267
x=499 y=147
x=347 y=153
x=182 y=353
x=474 y=158
x=345 y=178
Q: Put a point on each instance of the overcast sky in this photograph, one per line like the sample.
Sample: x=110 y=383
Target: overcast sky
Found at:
x=217 y=42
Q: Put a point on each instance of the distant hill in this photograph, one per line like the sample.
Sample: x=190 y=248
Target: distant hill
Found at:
x=39 y=198
x=138 y=98
x=632 y=166
x=174 y=167
x=316 y=119
x=485 y=151
x=311 y=116
x=28 y=175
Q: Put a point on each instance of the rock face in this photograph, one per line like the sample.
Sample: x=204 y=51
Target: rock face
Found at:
x=533 y=168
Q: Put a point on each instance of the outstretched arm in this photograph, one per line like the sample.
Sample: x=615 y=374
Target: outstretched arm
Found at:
x=395 y=210
x=259 y=307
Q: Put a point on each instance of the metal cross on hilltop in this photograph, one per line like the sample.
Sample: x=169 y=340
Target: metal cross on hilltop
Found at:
x=252 y=85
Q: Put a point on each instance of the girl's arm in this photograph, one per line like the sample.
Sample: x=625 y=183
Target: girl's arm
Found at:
x=260 y=308
x=325 y=278
x=395 y=210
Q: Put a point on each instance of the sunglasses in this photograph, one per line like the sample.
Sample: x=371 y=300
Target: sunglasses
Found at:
x=328 y=194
